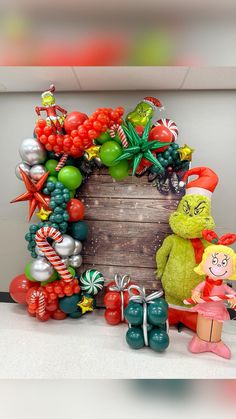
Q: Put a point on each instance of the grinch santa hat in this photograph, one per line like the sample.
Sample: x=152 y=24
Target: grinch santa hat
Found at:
x=204 y=185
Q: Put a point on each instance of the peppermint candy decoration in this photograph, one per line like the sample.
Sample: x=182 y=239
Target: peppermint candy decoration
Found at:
x=92 y=281
x=171 y=125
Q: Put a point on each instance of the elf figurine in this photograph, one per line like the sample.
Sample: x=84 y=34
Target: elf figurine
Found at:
x=144 y=111
x=182 y=251
x=49 y=106
x=218 y=264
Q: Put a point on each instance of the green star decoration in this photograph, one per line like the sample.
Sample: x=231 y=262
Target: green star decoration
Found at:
x=139 y=148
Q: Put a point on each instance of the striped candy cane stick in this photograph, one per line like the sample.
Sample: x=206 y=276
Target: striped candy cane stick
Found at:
x=42 y=243
x=210 y=299
x=62 y=162
x=38 y=297
x=118 y=128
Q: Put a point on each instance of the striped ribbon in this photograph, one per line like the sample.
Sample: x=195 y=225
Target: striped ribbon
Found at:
x=42 y=243
x=38 y=296
x=116 y=128
x=213 y=298
x=62 y=162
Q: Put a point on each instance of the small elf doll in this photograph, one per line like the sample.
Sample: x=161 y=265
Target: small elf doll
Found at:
x=218 y=264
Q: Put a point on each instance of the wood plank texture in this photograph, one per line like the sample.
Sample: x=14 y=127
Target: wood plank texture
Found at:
x=127 y=222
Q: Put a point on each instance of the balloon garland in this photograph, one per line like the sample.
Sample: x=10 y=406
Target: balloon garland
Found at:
x=64 y=150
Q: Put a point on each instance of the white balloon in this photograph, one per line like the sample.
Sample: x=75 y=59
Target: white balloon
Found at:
x=41 y=269
x=78 y=247
x=32 y=152
x=75 y=261
x=66 y=247
x=24 y=166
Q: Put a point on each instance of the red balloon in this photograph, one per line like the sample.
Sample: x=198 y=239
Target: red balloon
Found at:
x=19 y=287
x=113 y=317
x=59 y=315
x=112 y=300
x=162 y=134
x=73 y=120
x=139 y=129
x=75 y=210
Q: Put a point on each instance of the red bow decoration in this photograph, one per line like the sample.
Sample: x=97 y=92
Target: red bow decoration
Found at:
x=212 y=237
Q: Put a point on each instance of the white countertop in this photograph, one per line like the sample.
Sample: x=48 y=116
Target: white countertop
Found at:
x=89 y=348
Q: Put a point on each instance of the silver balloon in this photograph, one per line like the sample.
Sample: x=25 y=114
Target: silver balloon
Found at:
x=41 y=269
x=38 y=251
x=65 y=247
x=78 y=247
x=32 y=152
x=24 y=166
x=37 y=171
x=66 y=261
x=75 y=261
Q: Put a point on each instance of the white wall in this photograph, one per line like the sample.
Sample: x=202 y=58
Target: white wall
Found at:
x=206 y=120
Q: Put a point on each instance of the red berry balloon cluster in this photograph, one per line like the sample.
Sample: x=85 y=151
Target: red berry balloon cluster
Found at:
x=85 y=130
x=113 y=303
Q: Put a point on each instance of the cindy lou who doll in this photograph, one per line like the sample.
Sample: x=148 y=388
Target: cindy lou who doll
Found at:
x=218 y=264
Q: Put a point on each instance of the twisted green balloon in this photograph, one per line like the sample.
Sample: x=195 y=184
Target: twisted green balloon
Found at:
x=139 y=148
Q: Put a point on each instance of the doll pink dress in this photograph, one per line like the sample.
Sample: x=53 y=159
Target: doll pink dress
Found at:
x=213 y=310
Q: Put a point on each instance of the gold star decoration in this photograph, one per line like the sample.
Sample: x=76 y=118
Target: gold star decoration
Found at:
x=43 y=214
x=86 y=304
x=185 y=152
x=92 y=152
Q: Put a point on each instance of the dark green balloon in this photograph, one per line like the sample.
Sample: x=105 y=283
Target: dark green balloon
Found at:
x=76 y=314
x=134 y=337
x=134 y=313
x=157 y=312
x=78 y=230
x=69 y=304
x=158 y=340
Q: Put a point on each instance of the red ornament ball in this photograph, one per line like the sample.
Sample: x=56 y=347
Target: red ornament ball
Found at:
x=162 y=134
x=75 y=209
x=113 y=317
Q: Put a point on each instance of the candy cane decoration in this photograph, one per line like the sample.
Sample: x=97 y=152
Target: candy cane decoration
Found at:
x=62 y=162
x=209 y=299
x=171 y=125
x=38 y=297
x=118 y=128
x=42 y=243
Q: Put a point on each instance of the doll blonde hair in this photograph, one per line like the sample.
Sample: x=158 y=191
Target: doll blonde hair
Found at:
x=217 y=248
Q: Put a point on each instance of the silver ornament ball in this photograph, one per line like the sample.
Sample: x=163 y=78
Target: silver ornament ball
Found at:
x=32 y=152
x=65 y=261
x=37 y=171
x=78 y=247
x=39 y=252
x=23 y=166
x=41 y=269
x=65 y=247
x=75 y=261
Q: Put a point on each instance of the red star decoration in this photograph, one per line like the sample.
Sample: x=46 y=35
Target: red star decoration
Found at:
x=33 y=194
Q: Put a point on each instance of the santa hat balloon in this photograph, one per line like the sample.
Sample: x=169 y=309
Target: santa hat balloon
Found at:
x=204 y=185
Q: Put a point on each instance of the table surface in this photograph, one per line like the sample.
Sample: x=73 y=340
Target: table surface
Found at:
x=89 y=348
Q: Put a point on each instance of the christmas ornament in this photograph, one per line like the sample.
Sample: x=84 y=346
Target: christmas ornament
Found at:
x=144 y=111
x=139 y=147
x=43 y=214
x=185 y=152
x=147 y=317
x=86 y=304
x=23 y=166
x=33 y=194
x=32 y=152
x=92 y=281
x=37 y=171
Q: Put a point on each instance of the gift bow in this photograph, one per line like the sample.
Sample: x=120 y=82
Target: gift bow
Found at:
x=144 y=299
x=121 y=283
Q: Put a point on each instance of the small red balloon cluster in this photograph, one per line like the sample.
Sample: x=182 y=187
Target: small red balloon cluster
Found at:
x=80 y=131
x=116 y=299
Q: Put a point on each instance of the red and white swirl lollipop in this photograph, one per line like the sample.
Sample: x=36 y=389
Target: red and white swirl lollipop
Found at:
x=171 y=125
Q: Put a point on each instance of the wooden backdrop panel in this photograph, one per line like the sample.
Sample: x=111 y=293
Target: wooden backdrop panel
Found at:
x=127 y=222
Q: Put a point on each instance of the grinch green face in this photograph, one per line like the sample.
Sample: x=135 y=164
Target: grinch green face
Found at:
x=141 y=115
x=193 y=215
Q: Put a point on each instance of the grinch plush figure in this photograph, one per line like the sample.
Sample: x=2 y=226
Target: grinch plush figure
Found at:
x=182 y=251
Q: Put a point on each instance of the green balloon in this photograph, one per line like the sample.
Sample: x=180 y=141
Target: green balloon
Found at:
x=110 y=151
x=50 y=166
x=134 y=338
x=52 y=278
x=76 y=314
x=72 y=194
x=28 y=274
x=71 y=177
x=134 y=313
x=158 y=340
x=104 y=137
x=157 y=313
x=120 y=171
x=78 y=230
x=52 y=179
x=69 y=304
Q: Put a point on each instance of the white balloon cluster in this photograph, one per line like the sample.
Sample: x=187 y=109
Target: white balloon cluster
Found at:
x=69 y=249
x=33 y=155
